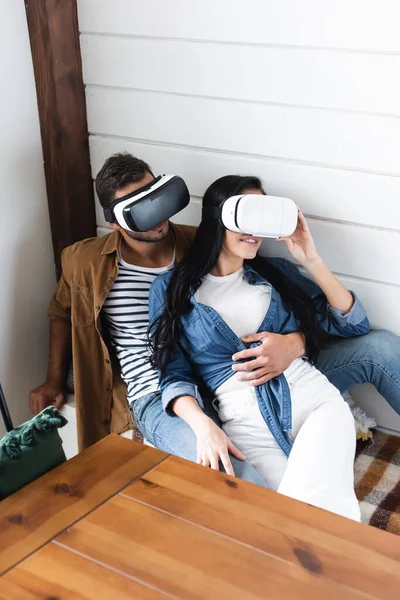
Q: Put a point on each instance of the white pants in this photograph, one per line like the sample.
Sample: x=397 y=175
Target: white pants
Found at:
x=319 y=469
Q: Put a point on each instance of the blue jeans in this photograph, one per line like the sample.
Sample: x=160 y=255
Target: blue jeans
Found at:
x=373 y=358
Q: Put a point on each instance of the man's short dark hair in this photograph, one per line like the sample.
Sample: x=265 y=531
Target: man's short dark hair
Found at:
x=118 y=171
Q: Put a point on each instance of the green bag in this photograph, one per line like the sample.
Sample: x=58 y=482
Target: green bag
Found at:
x=30 y=450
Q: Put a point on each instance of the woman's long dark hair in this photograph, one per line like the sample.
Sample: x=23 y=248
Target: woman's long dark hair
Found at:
x=200 y=260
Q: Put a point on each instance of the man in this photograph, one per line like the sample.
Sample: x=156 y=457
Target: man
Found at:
x=100 y=311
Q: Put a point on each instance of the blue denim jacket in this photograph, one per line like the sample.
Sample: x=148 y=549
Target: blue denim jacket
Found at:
x=207 y=345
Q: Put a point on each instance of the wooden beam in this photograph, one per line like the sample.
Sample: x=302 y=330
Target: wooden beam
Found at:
x=54 y=38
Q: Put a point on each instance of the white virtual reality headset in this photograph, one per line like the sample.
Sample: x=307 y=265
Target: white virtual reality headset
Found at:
x=256 y=214
x=149 y=206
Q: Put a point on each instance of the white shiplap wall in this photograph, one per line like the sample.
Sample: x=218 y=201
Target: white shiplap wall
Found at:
x=304 y=94
x=26 y=253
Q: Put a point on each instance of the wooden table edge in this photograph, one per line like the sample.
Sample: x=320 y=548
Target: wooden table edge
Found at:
x=163 y=456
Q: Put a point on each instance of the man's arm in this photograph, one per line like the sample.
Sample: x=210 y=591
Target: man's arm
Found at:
x=52 y=391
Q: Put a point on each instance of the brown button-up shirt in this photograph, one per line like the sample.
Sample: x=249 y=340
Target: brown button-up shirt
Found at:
x=89 y=269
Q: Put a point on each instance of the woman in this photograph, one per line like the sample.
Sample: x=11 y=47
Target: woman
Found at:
x=296 y=430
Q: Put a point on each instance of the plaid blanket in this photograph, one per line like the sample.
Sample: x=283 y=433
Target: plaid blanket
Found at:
x=377 y=481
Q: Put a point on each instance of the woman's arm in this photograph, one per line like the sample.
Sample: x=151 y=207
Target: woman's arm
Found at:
x=302 y=247
x=180 y=396
x=339 y=311
x=178 y=379
x=213 y=445
x=337 y=295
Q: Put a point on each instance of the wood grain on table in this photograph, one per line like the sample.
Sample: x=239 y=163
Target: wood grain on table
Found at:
x=54 y=573
x=321 y=542
x=178 y=530
x=41 y=510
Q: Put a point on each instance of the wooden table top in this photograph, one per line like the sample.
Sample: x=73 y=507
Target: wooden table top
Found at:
x=122 y=521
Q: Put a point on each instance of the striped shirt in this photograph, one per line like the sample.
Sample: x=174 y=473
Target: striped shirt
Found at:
x=127 y=313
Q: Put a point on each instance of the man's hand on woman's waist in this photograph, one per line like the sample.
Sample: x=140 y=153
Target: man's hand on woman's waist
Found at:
x=270 y=358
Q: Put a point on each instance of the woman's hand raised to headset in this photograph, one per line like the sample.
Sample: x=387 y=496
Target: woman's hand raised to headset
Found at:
x=301 y=244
